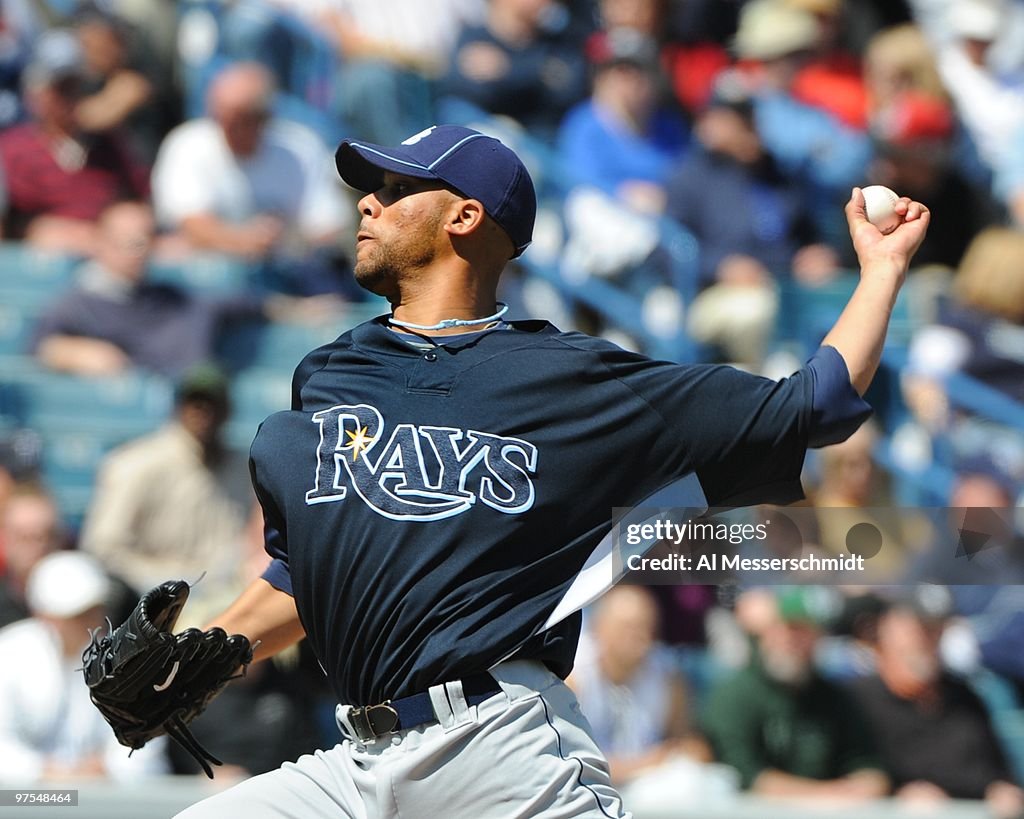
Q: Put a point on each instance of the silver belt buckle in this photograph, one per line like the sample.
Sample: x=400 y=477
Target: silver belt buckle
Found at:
x=373 y=721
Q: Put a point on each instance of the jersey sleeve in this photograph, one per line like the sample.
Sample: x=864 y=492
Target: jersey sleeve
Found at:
x=278 y=573
x=745 y=436
x=837 y=409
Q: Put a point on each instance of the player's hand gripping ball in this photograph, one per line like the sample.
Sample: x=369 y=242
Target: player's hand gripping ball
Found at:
x=880 y=207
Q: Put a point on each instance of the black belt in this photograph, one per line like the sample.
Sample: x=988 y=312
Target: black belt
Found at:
x=371 y=721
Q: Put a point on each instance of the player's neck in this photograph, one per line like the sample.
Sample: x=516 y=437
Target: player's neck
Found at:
x=472 y=311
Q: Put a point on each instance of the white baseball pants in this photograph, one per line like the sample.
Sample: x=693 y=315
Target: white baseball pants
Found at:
x=526 y=752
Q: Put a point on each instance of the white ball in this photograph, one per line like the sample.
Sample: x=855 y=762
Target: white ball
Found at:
x=880 y=203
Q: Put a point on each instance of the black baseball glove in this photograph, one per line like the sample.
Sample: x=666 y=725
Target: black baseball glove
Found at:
x=148 y=681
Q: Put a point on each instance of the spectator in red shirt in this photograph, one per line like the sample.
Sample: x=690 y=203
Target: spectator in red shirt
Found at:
x=58 y=179
x=831 y=78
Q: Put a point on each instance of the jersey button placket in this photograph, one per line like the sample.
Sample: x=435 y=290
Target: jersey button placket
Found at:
x=431 y=371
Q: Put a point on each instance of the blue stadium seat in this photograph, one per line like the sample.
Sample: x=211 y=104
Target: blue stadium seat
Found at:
x=255 y=394
x=18 y=314
x=278 y=346
x=701 y=670
x=270 y=346
x=26 y=268
x=131 y=401
x=1007 y=716
x=264 y=358
x=296 y=109
x=70 y=460
x=80 y=420
x=971 y=395
x=204 y=274
x=806 y=314
x=976 y=403
x=29 y=282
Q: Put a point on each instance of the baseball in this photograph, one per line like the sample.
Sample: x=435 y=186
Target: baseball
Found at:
x=879 y=202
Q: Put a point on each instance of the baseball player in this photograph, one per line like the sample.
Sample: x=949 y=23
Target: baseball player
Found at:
x=444 y=475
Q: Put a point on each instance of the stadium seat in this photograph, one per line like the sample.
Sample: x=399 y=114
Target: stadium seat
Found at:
x=278 y=346
x=205 y=274
x=29 y=281
x=18 y=314
x=70 y=460
x=80 y=420
x=25 y=267
x=1004 y=707
x=255 y=394
x=131 y=401
x=807 y=313
x=970 y=395
x=269 y=346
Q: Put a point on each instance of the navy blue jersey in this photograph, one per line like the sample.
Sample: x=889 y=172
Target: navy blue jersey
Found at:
x=428 y=509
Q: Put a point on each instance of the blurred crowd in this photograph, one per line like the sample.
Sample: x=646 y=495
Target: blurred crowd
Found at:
x=816 y=695
x=139 y=136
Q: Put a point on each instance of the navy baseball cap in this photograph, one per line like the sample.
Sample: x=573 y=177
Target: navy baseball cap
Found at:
x=477 y=165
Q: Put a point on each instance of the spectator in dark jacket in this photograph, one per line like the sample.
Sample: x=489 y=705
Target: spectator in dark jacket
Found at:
x=526 y=61
x=751 y=223
x=934 y=734
x=114 y=318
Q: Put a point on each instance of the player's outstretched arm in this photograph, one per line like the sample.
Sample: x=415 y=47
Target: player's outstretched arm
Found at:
x=265 y=614
x=859 y=333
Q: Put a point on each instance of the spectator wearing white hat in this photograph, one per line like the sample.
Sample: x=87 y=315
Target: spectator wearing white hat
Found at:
x=49 y=728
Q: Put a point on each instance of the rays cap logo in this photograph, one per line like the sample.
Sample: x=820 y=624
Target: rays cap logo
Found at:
x=478 y=166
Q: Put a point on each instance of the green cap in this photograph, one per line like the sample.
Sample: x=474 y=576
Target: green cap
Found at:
x=205 y=380
x=816 y=605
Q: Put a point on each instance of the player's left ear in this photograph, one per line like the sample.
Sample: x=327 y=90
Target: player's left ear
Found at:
x=466 y=217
